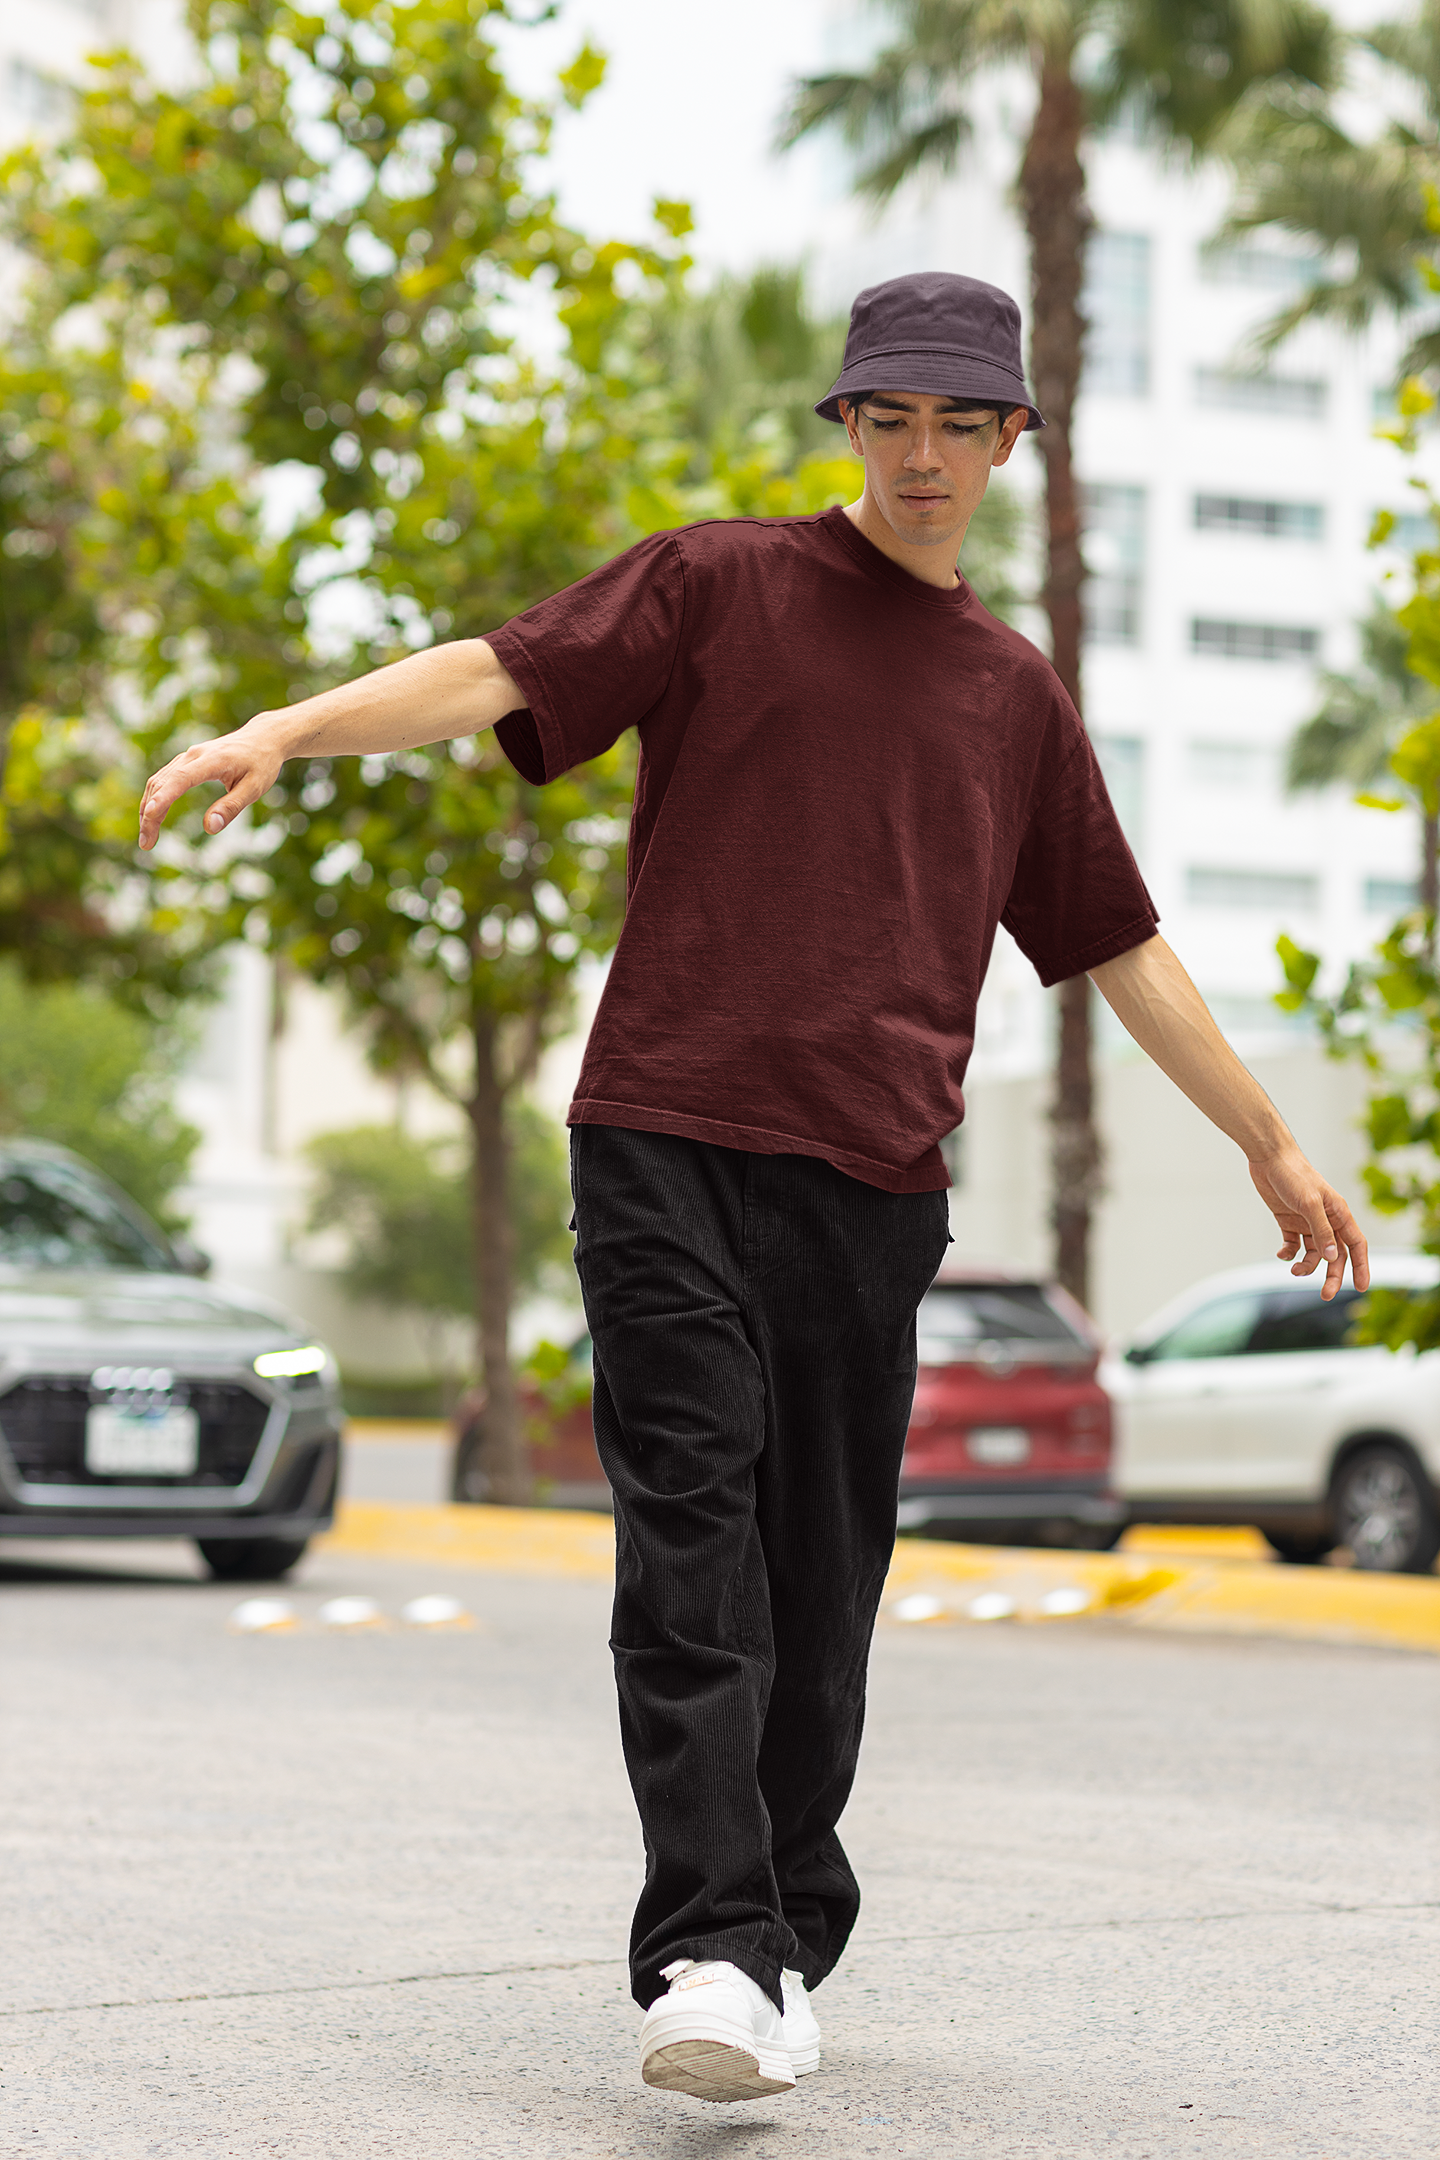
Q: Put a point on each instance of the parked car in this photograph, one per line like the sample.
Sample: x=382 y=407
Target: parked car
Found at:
x=139 y=1401
x=1247 y=1401
x=1009 y=1437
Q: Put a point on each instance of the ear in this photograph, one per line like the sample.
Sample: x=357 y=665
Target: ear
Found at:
x=851 y=416
x=1011 y=429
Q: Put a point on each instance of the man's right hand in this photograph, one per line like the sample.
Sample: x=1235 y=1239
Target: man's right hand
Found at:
x=247 y=764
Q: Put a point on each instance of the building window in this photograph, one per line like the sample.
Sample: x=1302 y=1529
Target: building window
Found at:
x=1115 y=561
x=37 y=97
x=1262 y=269
x=1253 y=640
x=1238 y=765
x=1122 y=760
x=1412 y=531
x=1116 y=306
x=1264 y=889
x=1289 y=397
x=1268 y=520
x=1390 y=896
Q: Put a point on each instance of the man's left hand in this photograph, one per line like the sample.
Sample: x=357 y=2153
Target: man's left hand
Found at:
x=1315 y=1223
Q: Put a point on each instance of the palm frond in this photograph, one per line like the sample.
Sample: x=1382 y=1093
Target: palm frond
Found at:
x=1362 y=716
x=934 y=147
x=1363 y=207
x=1188 y=64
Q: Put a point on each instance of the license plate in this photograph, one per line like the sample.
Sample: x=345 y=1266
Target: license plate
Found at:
x=131 y=1443
x=998 y=1444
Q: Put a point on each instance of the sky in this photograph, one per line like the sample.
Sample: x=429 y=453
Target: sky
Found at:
x=688 y=109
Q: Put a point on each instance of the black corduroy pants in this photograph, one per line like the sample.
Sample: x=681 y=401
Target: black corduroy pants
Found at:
x=753 y=1318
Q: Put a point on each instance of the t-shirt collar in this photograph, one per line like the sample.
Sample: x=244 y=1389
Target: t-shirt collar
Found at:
x=955 y=600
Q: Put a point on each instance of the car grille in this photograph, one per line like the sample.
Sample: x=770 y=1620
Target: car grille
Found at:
x=43 y=1421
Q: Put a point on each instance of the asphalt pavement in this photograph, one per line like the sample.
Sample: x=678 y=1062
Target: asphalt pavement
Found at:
x=332 y=1895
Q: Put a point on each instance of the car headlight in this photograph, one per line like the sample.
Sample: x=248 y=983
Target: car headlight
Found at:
x=291 y=1364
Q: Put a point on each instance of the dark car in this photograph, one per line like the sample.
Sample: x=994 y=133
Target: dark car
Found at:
x=138 y=1401
x=1009 y=1437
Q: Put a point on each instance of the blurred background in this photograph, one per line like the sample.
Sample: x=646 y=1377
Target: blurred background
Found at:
x=328 y=336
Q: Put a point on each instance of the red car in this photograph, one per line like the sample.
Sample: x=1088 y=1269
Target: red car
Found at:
x=1009 y=1438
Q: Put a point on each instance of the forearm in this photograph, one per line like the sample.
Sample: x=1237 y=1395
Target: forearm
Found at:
x=449 y=690
x=1154 y=999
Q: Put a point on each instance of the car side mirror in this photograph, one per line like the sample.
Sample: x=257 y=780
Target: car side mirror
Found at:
x=188 y=1258
x=1137 y=1354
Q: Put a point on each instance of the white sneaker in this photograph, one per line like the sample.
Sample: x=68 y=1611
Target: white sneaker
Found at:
x=802 y=2034
x=715 y=2034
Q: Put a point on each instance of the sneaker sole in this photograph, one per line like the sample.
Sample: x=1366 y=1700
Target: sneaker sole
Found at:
x=716 y=2070
x=805 y=2059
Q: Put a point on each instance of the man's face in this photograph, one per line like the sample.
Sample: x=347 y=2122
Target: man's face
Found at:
x=927 y=460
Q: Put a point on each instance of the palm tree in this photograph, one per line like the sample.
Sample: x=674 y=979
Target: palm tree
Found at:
x=1360 y=720
x=1366 y=206
x=1182 y=67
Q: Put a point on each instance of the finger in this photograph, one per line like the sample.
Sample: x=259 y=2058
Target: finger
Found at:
x=165 y=788
x=240 y=796
x=1352 y=1239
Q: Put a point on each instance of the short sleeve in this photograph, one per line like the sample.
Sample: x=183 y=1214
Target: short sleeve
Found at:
x=1077 y=897
x=593 y=660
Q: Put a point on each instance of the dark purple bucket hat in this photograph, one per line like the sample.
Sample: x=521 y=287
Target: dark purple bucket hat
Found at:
x=937 y=334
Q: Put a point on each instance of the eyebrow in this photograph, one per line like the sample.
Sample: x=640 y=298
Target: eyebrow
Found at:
x=951 y=405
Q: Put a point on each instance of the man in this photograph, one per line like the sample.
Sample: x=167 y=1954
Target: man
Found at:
x=849 y=774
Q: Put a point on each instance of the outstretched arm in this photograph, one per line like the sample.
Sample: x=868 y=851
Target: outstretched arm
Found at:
x=1154 y=998
x=450 y=690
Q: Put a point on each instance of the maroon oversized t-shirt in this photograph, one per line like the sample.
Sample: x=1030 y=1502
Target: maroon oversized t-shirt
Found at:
x=847 y=778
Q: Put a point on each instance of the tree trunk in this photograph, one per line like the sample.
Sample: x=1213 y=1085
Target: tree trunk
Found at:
x=492 y=1461
x=1057 y=221
x=1430 y=873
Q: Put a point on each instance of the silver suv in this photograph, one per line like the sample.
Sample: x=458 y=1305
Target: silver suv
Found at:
x=1245 y=1401
x=138 y=1401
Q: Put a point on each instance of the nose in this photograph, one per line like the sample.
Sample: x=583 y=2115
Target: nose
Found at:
x=923 y=455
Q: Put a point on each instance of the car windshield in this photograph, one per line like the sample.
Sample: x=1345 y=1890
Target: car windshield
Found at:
x=54 y=1216
x=955 y=1318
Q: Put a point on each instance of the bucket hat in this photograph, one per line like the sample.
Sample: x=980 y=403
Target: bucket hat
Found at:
x=935 y=333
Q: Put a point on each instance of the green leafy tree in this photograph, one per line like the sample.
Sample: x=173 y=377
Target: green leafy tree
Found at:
x=402 y=1207
x=1361 y=720
x=84 y=1072
x=73 y=902
x=1183 y=71
x=321 y=236
x=1387 y=1013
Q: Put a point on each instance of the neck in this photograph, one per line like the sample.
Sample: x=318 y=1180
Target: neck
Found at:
x=932 y=565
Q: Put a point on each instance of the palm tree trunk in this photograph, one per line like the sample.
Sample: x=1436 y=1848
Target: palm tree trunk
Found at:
x=1057 y=221
x=492 y=1461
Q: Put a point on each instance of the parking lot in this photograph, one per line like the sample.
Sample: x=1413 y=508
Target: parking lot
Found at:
x=348 y=1893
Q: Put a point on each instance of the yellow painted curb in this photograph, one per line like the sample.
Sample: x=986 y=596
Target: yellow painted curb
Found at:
x=1153 y=1587
x=1318 y=1604
x=512 y=1541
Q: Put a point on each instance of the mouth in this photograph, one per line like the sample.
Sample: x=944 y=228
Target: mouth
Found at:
x=923 y=498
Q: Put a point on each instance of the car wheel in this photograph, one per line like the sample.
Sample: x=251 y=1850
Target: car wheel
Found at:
x=261 y=1559
x=1385 y=1512
x=1297 y=1551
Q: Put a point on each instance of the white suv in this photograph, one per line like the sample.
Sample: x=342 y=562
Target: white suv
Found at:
x=1244 y=1402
